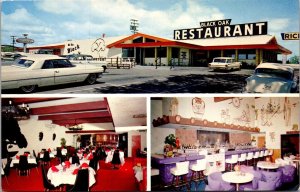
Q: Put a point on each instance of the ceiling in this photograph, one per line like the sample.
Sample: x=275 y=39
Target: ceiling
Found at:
x=118 y=111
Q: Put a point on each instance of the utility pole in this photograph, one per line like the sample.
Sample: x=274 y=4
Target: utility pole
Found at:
x=134 y=25
x=13 y=41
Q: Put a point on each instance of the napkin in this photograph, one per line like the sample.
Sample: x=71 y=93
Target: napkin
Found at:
x=49 y=150
x=26 y=154
x=75 y=171
x=17 y=157
x=67 y=163
x=54 y=169
x=84 y=165
x=85 y=155
x=90 y=157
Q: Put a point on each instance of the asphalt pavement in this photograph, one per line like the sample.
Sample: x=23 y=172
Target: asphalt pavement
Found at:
x=149 y=79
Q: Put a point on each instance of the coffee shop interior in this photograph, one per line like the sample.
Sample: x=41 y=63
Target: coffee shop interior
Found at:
x=74 y=143
x=225 y=143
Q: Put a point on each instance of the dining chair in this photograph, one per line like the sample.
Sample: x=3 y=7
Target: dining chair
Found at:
x=6 y=169
x=75 y=159
x=232 y=160
x=198 y=169
x=93 y=163
x=181 y=170
x=23 y=165
x=116 y=158
x=242 y=158
x=47 y=184
x=249 y=158
x=36 y=157
x=46 y=159
x=82 y=181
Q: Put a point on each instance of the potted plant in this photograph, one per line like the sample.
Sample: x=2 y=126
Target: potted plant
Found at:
x=170 y=142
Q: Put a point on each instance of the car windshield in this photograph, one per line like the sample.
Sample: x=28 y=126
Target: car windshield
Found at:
x=275 y=72
x=220 y=60
x=24 y=62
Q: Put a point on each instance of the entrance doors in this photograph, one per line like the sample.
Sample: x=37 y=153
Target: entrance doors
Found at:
x=136 y=145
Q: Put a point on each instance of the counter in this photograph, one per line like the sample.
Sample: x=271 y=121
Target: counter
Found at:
x=164 y=164
x=215 y=162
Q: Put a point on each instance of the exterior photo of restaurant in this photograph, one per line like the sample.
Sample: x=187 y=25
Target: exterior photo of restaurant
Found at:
x=225 y=143
x=72 y=143
x=248 y=43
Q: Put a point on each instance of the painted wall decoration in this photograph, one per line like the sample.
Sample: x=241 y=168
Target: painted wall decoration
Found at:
x=225 y=116
x=41 y=135
x=244 y=118
x=174 y=106
x=12 y=138
x=236 y=102
x=269 y=111
x=198 y=106
x=287 y=111
x=272 y=136
x=98 y=46
x=53 y=136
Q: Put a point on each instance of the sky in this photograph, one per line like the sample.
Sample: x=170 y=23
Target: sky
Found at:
x=55 y=21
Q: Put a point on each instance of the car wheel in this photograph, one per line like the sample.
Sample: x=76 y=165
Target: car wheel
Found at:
x=28 y=89
x=91 y=79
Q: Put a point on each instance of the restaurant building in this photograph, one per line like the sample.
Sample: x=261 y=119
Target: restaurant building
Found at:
x=248 y=43
x=214 y=134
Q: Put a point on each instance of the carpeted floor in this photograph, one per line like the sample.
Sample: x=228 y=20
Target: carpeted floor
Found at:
x=107 y=179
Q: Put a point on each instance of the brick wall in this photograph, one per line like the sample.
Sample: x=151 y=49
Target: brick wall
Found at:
x=186 y=136
x=239 y=138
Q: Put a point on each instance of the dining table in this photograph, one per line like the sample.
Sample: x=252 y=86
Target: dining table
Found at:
x=66 y=176
x=237 y=177
x=15 y=160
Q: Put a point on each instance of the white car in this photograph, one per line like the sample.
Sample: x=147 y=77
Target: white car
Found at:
x=86 y=59
x=272 y=78
x=33 y=71
x=225 y=63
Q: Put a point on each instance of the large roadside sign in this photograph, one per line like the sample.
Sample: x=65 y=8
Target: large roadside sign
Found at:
x=290 y=36
x=25 y=40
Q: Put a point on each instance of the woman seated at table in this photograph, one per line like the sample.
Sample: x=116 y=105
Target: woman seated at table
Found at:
x=116 y=159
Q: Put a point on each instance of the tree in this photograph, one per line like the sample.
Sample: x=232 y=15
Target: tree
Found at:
x=294 y=59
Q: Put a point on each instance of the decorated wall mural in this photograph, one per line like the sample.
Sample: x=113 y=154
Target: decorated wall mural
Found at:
x=198 y=106
x=174 y=106
x=98 y=46
x=269 y=111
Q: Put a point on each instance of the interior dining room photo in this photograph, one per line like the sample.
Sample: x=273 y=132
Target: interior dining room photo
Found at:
x=209 y=143
x=74 y=143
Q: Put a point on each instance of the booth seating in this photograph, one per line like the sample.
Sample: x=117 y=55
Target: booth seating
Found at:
x=180 y=172
x=216 y=183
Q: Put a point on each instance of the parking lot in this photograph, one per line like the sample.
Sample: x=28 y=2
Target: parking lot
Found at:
x=148 y=79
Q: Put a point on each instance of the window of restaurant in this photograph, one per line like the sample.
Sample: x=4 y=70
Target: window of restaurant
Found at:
x=149 y=52
x=161 y=52
x=229 y=53
x=128 y=52
x=138 y=40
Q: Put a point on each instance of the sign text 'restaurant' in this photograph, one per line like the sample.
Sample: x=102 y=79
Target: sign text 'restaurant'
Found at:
x=248 y=29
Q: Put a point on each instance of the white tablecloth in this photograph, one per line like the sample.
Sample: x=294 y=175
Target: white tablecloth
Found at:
x=138 y=173
x=51 y=155
x=83 y=160
x=66 y=177
x=30 y=160
x=110 y=155
x=63 y=152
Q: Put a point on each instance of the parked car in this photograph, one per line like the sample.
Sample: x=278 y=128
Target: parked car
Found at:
x=85 y=59
x=272 y=78
x=33 y=71
x=225 y=63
